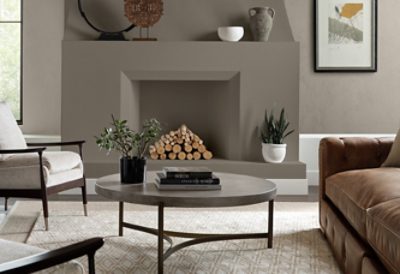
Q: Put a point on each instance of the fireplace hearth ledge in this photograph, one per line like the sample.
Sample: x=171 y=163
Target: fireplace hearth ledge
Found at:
x=285 y=170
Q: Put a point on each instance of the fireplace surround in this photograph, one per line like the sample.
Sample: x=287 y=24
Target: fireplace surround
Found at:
x=220 y=90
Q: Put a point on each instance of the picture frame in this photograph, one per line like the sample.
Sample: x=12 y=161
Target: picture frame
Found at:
x=345 y=35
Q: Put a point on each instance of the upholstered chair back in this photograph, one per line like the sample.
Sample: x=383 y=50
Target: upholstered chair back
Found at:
x=11 y=136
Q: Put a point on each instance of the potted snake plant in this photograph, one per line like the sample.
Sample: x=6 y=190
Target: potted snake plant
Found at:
x=273 y=133
x=131 y=145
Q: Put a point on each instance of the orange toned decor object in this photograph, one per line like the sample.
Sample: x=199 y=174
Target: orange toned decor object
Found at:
x=144 y=13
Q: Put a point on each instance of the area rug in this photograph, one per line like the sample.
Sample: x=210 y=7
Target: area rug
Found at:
x=299 y=246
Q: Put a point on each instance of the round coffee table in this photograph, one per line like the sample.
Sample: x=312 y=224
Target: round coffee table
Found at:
x=237 y=190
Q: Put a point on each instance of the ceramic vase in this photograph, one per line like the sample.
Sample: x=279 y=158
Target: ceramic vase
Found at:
x=274 y=153
x=261 y=22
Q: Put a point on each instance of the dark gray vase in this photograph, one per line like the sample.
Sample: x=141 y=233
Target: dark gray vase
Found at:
x=261 y=22
x=133 y=170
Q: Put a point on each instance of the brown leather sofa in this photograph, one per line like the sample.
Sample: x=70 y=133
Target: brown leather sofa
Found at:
x=360 y=204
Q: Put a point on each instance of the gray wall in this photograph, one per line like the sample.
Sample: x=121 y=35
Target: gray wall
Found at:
x=364 y=103
x=43 y=32
x=349 y=102
x=183 y=20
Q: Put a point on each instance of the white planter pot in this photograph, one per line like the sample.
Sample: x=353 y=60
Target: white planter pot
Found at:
x=274 y=153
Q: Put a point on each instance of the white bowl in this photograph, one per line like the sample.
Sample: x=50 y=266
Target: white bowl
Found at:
x=230 y=34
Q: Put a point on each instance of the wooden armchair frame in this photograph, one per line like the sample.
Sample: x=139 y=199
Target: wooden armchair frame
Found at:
x=45 y=191
x=55 y=257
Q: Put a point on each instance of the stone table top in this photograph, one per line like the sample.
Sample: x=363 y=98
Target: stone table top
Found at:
x=237 y=190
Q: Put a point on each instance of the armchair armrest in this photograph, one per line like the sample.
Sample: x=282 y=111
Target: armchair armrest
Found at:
x=56 y=144
x=342 y=154
x=22 y=151
x=55 y=257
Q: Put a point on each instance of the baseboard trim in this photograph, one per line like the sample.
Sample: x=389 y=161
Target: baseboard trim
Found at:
x=291 y=186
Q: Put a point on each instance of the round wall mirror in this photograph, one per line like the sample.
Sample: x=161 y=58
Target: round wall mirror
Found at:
x=106 y=17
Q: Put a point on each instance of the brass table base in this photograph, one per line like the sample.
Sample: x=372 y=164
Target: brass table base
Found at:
x=196 y=238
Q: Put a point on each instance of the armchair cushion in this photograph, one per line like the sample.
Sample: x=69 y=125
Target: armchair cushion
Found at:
x=11 y=136
x=22 y=171
x=10 y=251
x=55 y=161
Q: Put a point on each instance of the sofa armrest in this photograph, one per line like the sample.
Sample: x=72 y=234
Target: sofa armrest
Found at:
x=342 y=154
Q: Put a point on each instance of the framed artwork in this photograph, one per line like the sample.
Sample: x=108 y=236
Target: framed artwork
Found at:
x=345 y=35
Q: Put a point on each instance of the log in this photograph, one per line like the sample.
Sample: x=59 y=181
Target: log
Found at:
x=152 y=149
x=196 y=155
x=195 y=145
x=188 y=148
x=168 y=147
x=161 y=143
x=179 y=141
x=163 y=156
x=182 y=155
x=202 y=148
x=189 y=156
x=172 y=156
x=154 y=156
x=160 y=150
x=183 y=128
x=176 y=148
x=207 y=155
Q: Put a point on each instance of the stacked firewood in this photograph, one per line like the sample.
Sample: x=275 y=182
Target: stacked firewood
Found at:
x=181 y=144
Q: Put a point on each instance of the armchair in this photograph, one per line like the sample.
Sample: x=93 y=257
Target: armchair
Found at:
x=23 y=258
x=29 y=171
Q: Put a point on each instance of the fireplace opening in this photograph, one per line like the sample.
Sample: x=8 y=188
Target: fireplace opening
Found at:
x=210 y=108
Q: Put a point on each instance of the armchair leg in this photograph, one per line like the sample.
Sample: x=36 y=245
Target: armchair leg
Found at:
x=91 y=264
x=84 y=197
x=5 y=203
x=46 y=223
x=85 y=209
x=45 y=212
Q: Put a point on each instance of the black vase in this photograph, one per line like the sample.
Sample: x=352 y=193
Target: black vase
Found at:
x=133 y=170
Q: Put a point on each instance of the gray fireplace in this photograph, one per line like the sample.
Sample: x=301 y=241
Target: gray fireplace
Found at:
x=220 y=90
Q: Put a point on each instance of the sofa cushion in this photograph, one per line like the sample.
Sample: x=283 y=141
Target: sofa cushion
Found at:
x=10 y=251
x=55 y=161
x=393 y=159
x=11 y=136
x=355 y=191
x=383 y=232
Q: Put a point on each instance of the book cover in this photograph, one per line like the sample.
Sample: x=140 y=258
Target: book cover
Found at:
x=187 y=187
x=187 y=172
x=188 y=181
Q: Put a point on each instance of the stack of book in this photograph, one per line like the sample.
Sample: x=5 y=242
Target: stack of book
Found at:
x=187 y=178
